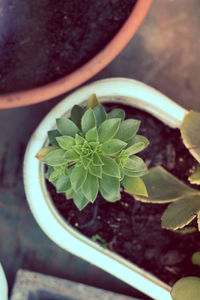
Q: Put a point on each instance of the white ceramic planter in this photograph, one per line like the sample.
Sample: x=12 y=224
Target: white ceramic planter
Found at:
x=3 y=285
x=123 y=90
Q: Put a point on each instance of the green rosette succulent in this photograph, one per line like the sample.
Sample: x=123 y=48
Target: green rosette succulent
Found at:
x=94 y=151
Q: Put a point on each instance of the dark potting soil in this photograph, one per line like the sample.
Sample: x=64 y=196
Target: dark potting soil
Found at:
x=43 y=40
x=133 y=229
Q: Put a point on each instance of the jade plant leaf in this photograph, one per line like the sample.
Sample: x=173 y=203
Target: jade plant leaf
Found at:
x=117 y=113
x=134 y=186
x=163 y=187
x=181 y=213
x=190 y=133
x=195 y=177
x=76 y=114
x=127 y=129
x=187 y=288
x=110 y=188
x=66 y=127
x=108 y=129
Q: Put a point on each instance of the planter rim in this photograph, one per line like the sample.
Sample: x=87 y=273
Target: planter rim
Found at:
x=3 y=284
x=124 y=90
x=85 y=72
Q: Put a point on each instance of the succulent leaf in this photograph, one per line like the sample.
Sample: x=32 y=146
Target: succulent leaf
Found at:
x=190 y=133
x=66 y=127
x=90 y=187
x=92 y=135
x=71 y=156
x=92 y=101
x=117 y=113
x=195 y=177
x=187 y=288
x=63 y=184
x=138 y=139
x=97 y=160
x=163 y=187
x=88 y=121
x=65 y=142
x=196 y=258
x=95 y=170
x=76 y=114
x=135 y=148
x=55 y=158
x=80 y=200
x=134 y=186
x=113 y=146
x=110 y=167
x=127 y=129
x=44 y=151
x=181 y=213
x=69 y=194
x=52 y=134
x=109 y=188
x=100 y=114
x=108 y=129
x=78 y=177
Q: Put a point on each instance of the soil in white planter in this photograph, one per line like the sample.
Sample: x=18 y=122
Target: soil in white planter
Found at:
x=133 y=229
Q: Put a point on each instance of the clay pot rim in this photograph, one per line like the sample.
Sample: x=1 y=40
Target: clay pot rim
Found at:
x=82 y=74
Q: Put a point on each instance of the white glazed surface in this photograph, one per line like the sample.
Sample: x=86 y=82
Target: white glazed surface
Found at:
x=123 y=90
x=3 y=285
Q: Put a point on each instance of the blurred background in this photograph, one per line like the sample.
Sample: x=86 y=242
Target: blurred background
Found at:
x=164 y=53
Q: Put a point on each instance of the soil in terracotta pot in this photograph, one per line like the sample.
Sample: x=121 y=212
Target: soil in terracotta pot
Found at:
x=133 y=229
x=43 y=40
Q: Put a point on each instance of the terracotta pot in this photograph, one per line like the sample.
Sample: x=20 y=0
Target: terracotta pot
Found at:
x=120 y=90
x=97 y=63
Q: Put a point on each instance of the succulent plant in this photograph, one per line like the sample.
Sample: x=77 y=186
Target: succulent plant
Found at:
x=163 y=187
x=186 y=288
x=95 y=151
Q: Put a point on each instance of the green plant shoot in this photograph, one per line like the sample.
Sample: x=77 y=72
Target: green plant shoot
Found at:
x=94 y=151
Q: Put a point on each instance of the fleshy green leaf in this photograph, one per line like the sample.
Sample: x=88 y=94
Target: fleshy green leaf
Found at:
x=90 y=187
x=65 y=142
x=69 y=194
x=92 y=135
x=95 y=170
x=134 y=186
x=110 y=167
x=113 y=146
x=80 y=200
x=127 y=129
x=135 y=148
x=181 y=212
x=88 y=120
x=63 y=184
x=108 y=129
x=76 y=114
x=55 y=158
x=44 y=151
x=196 y=258
x=92 y=101
x=135 y=164
x=100 y=114
x=190 y=133
x=163 y=187
x=187 y=288
x=71 y=156
x=116 y=113
x=52 y=134
x=97 y=160
x=66 y=127
x=139 y=173
x=110 y=188
x=57 y=171
x=78 y=177
x=138 y=139
x=79 y=140
x=195 y=177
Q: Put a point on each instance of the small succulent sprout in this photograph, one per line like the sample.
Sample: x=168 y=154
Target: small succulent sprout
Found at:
x=97 y=238
x=187 y=288
x=163 y=187
x=94 y=151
